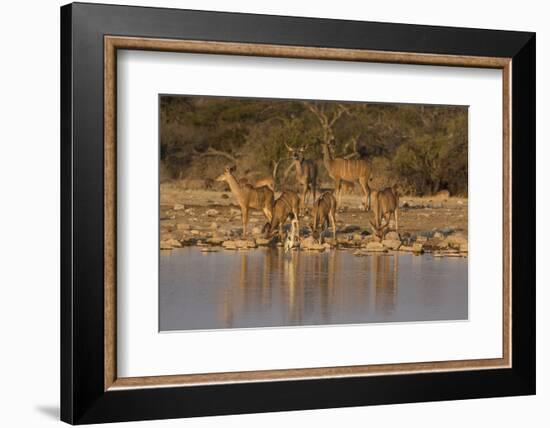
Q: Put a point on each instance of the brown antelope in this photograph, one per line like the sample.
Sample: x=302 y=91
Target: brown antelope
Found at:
x=384 y=203
x=347 y=169
x=287 y=205
x=324 y=210
x=347 y=187
x=265 y=181
x=248 y=197
x=306 y=173
x=268 y=181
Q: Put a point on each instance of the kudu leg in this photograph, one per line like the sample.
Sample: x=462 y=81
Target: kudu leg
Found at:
x=338 y=190
x=363 y=182
x=244 y=214
x=395 y=216
x=333 y=224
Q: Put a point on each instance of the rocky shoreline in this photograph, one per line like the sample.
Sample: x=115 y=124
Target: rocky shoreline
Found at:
x=216 y=228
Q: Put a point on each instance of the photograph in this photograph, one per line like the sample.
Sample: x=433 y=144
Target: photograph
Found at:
x=290 y=212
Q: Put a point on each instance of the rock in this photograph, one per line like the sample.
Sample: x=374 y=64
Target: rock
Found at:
x=447 y=230
x=456 y=240
x=214 y=226
x=407 y=248
x=229 y=245
x=183 y=226
x=225 y=196
x=348 y=228
x=421 y=239
x=375 y=247
x=174 y=243
x=189 y=211
x=209 y=250
x=392 y=244
x=243 y=244
x=262 y=242
x=195 y=232
x=393 y=235
x=164 y=245
x=332 y=242
x=360 y=253
x=439 y=244
x=179 y=207
x=417 y=248
x=212 y=212
x=438 y=235
x=215 y=240
x=308 y=242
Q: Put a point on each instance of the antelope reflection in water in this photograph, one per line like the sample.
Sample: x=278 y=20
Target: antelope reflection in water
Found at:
x=305 y=286
x=268 y=288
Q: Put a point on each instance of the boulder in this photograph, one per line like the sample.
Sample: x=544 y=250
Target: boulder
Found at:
x=456 y=240
x=179 y=207
x=189 y=211
x=183 y=226
x=245 y=243
x=229 y=245
x=417 y=247
x=212 y=212
x=195 y=232
x=393 y=235
x=375 y=247
x=214 y=226
x=215 y=240
x=262 y=242
x=392 y=244
x=164 y=245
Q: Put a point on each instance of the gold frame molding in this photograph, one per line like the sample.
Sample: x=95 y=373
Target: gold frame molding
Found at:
x=113 y=43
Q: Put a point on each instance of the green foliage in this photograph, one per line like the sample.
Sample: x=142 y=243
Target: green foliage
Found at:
x=420 y=148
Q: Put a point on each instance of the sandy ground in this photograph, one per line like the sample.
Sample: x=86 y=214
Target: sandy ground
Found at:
x=205 y=213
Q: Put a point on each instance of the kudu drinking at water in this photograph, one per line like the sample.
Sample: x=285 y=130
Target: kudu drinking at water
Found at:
x=248 y=197
x=286 y=206
x=324 y=210
x=306 y=173
x=384 y=203
x=351 y=170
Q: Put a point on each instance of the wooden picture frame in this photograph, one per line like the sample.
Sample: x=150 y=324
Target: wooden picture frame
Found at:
x=91 y=390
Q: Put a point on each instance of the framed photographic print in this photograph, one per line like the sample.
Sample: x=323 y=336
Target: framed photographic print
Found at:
x=264 y=213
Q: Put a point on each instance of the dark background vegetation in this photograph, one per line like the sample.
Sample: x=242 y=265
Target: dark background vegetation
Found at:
x=422 y=149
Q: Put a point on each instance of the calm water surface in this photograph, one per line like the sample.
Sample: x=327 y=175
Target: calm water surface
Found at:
x=267 y=288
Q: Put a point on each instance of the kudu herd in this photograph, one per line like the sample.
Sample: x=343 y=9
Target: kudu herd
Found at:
x=290 y=205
